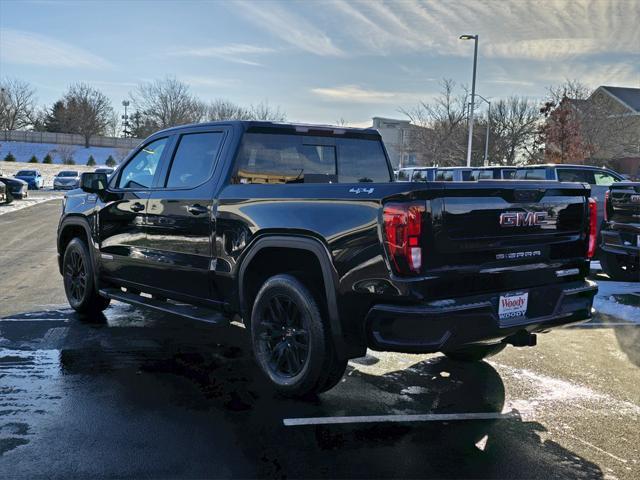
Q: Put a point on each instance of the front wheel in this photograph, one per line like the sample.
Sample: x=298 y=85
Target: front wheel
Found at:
x=622 y=268
x=475 y=353
x=78 y=280
x=291 y=341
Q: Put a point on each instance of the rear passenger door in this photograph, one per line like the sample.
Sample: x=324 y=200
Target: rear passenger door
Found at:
x=180 y=216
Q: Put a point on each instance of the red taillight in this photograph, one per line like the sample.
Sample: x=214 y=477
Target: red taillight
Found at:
x=593 y=227
x=402 y=231
x=606 y=205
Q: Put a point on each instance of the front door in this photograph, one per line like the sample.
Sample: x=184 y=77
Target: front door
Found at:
x=122 y=217
x=180 y=217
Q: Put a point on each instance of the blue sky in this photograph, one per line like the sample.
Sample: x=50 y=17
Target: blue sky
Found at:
x=319 y=60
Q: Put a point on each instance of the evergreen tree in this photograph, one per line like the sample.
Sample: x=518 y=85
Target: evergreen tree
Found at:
x=91 y=162
x=47 y=159
x=9 y=158
x=33 y=159
x=110 y=162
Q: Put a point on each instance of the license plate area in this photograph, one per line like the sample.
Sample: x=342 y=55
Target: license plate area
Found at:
x=513 y=307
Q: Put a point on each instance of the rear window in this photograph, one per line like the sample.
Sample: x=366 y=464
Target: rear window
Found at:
x=68 y=174
x=276 y=158
x=26 y=173
x=575 y=175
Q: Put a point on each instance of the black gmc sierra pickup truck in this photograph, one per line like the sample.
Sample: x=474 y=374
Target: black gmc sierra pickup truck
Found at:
x=301 y=231
x=620 y=245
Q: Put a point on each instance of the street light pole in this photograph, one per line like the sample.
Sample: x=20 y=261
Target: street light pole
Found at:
x=473 y=93
x=486 y=140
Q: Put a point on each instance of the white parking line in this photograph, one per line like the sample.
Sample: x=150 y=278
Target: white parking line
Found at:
x=427 y=417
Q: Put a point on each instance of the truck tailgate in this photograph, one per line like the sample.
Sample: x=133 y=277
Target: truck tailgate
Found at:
x=507 y=223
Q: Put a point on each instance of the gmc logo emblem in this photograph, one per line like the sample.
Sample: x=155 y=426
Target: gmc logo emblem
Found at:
x=522 y=219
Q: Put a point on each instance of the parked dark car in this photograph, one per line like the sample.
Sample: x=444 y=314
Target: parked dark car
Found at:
x=3 y=193
x=620 y=245
x=33 y=178
x=66 y=180
x=15 y=188
x=106 y=170
x=301 y=232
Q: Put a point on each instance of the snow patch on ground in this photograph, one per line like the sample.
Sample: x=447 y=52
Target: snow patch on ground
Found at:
x=28 y=202
x=610 y=306
x=23 y=151
x=545 y=393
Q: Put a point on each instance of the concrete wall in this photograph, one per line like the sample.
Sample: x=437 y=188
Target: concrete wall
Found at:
x=66 y=139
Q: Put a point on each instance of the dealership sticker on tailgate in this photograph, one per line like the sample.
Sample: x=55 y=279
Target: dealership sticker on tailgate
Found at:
x=513 y=305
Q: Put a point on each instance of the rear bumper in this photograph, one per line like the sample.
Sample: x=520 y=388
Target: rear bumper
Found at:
x=447 y=325
x=621 y=242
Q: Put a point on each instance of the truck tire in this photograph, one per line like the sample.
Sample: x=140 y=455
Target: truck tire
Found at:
x=475 y=353
x=78 y=280
x=620 y=269
x=9 y=198
x=291 y=341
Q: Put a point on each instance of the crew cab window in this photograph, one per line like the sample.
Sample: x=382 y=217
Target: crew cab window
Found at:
x=575 y=175
x=194 y=159
x=404 y=175
x=444 y=176
x=420 y=176
x=276 y=158
x=531 y=174
x=140 y=170
x=605 y=179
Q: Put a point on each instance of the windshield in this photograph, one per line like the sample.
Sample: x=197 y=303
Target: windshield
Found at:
x=68 y=174
x=26 y=173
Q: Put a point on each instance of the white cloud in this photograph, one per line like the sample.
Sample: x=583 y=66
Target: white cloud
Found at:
x=357 y=94
x=17 y=46
x=288 y=26
x=236 y=53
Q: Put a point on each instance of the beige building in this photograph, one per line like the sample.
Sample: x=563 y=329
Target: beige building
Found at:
x=609 y=126
x=396 y=135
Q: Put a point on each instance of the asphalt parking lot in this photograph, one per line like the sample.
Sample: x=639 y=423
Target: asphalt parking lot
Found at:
x=146 y=395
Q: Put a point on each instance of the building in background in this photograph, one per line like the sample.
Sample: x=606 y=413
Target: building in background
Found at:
x=603 y=129
x=396 y=135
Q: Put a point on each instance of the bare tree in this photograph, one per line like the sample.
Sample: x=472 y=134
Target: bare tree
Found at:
x=66 y=154
x=166 y=103
x=88 y=111
x=514 y=125
x=221 y=109
x=440 y=127
x=17 y=104
x=263 y=111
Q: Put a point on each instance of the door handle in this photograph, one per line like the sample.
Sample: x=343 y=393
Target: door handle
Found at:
x=137 y=207
x=196 y=209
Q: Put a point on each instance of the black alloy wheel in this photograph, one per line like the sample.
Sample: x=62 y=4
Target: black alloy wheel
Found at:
x=291 y=340
x=283 y=339
x=75 y=277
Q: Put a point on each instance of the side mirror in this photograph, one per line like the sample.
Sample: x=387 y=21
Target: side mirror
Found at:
x=92 y=182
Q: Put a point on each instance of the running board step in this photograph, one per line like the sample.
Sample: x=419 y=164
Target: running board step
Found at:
x=182 y=310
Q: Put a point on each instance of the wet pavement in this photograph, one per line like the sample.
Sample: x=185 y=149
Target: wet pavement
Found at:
x=146 y=395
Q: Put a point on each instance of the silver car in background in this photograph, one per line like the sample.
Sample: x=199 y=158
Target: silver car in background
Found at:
x=66 y=180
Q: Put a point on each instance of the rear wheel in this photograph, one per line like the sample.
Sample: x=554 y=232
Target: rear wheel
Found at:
x=291 y=341
x=475 y=353
x=620 y=267
x=78 y=280
x=9 y=198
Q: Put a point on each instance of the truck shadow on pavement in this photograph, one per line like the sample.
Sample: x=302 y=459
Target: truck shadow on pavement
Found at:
x=188 y=399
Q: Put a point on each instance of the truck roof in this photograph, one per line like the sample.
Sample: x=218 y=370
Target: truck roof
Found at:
x=294 y=127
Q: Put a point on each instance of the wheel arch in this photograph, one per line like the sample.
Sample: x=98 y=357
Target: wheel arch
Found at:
x=310 y=246
x=70 y=228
